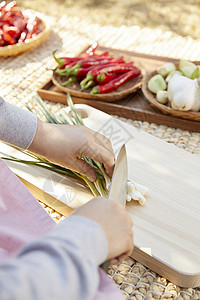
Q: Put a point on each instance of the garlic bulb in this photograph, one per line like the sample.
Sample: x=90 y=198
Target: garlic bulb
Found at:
x=184 y=93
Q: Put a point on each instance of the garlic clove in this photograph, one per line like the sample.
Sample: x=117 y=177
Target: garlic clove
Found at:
x=143 y=189
x=128 y=198
x=142 y=201
x=135 y=195
x=130 y=187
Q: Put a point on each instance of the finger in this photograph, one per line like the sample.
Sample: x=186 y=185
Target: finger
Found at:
x=82 y=167
x=101 y=155
x=104 y=142
x=119 y=259
x=107 y=145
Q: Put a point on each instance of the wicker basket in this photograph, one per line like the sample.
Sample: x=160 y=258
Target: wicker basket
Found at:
x=127 y=88
x=18 y=48
x=195 y=116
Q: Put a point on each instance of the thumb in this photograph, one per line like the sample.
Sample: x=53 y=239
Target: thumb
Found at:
x=82 y=167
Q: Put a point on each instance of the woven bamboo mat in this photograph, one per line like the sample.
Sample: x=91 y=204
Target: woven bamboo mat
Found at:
x=21 y=76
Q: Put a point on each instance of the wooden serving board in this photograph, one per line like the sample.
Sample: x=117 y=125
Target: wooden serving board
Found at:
x=166 y=229
x=134 y=106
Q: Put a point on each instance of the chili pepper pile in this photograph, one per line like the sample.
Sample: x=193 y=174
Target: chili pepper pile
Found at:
x=17 y=25
x=101 y=71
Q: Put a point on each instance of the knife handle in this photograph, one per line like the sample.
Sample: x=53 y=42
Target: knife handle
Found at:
x=105 y=266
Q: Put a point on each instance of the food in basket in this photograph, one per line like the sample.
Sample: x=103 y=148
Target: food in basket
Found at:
x=17 y=25
x=178 y=88
x=103 y=72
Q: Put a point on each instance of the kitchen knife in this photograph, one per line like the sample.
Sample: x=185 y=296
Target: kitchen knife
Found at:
x=118 y=188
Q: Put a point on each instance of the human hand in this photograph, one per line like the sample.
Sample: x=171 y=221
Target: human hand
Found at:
x=66 y=145
x=115 y=222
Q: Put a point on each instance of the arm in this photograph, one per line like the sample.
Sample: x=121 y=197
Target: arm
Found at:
x=63 y=264
x=17 y=126
x=64 y=145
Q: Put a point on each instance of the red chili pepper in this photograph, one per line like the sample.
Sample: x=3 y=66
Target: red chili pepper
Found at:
x=7 y=18
x=92 y=62
x=10 y=6
x=8 y=38
x=101 y=78
x=115 y=83
x=7 y=7
x=17 y=25
x=2 y=42
x=92 y=49
x=2 y=5
x=80 y=72
x=64 y=61
x=116 y=68
x=64 y=71
x=22 y=37
x=12 y=31
x=20 y=23
x=94 y=70
x=105 y=77
x=34 y=27
x=104 y=53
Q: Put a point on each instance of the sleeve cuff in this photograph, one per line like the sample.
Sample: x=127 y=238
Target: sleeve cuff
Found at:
x=17 y=126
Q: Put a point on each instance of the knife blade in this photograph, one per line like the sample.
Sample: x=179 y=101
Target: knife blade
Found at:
x=118 y=187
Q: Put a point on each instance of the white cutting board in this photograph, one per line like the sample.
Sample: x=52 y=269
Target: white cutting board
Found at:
x=166 y=230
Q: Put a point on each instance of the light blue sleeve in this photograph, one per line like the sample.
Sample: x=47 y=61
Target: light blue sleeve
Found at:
x=17 y=126
x=61 y=265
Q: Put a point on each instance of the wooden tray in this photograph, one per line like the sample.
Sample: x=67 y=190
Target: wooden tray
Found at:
x=166 y=229
x=135 y=106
